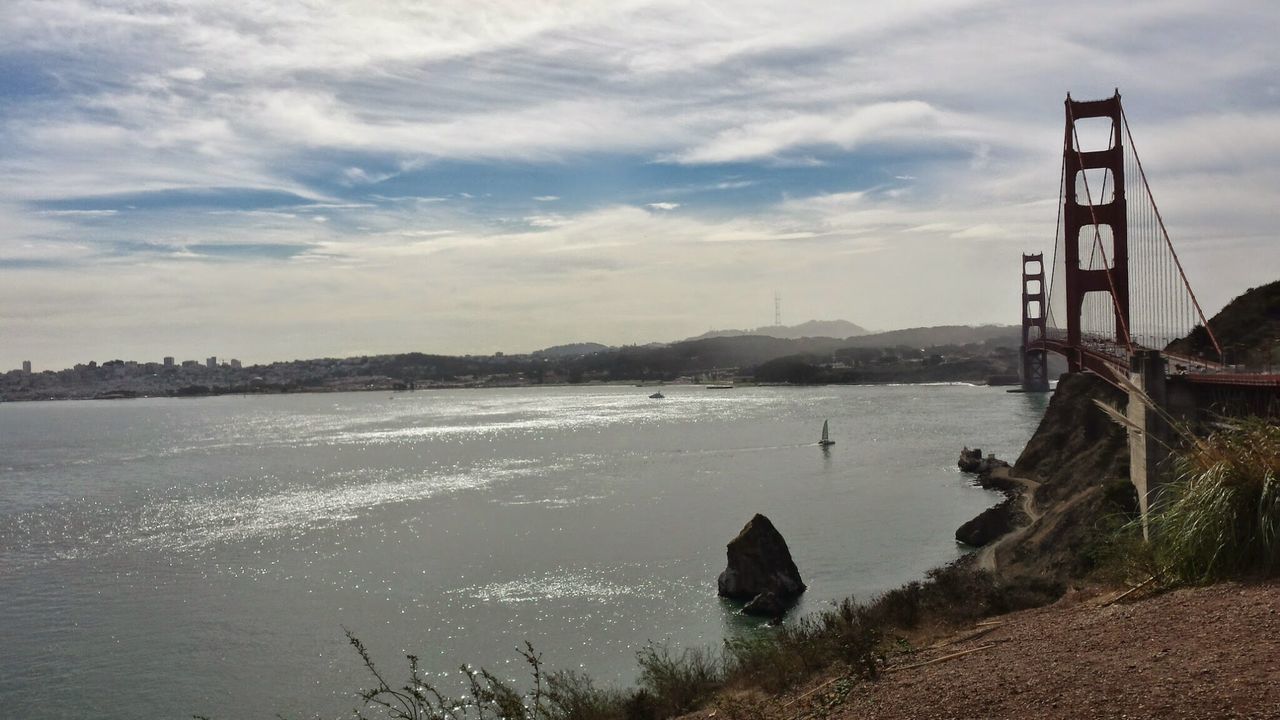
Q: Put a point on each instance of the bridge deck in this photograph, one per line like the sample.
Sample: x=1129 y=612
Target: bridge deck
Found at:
x=1103 y=360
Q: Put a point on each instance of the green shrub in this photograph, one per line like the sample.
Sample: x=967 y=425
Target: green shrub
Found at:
x=1220 y=517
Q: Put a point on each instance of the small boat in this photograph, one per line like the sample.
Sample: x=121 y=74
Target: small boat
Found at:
x=826 y=435
x=719 y=387
x=657 y=396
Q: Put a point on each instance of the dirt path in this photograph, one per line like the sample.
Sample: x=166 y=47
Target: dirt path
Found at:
x=1198 y=653
x=985 y=558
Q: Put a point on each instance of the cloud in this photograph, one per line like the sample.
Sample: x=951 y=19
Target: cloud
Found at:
x=832 y=145
x=80 y=213
x=847 y=129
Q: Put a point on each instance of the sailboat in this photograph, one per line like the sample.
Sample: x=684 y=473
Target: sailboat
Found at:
x=826 y=435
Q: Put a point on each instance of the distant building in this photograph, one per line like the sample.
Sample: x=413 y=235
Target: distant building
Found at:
x=168 y=361
x=190 y=363
x=26 y=366
x=212 y=362
x=235 y=364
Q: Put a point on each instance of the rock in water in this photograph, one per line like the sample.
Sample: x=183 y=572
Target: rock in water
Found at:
x=759 y=562
x=768 y=605
x=970 y=460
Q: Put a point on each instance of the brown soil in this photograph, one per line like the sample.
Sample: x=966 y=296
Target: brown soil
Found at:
x=1194 y=653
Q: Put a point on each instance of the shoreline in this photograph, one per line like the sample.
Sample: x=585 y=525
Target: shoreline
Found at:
x=125 y=395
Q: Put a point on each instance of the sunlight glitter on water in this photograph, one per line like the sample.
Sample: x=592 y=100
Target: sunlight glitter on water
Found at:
x=562 y=584
x=185 y=525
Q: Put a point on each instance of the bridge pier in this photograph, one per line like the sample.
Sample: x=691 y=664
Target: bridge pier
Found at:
x=1148 y=453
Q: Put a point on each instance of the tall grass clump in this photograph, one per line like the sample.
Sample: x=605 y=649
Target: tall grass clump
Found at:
x=1220 y=516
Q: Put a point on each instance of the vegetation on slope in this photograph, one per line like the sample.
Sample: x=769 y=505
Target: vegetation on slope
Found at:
x=1248 y=329
x=1220 y=517
x=856 y=636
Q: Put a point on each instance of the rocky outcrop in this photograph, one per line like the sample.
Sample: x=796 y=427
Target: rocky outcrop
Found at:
x=759 y=564
x=971 y=461
x=987 y=526
x=767 y=605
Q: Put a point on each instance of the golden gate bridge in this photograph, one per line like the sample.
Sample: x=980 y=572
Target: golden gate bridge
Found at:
x=1116 y=288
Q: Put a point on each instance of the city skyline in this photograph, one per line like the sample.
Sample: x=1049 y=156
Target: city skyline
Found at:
x=290 y=181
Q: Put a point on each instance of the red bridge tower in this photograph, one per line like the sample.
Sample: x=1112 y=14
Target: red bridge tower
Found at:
x=1083 y=218
x=1035 y=363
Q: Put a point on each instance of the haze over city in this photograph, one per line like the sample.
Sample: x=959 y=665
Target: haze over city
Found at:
x=281 y=180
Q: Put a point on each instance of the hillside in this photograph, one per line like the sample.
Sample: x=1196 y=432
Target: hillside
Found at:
x=809 y=329
x=1207 y=652
x=926 y=337
x=1078 y=460
x=570 y=350
x=1248 y=329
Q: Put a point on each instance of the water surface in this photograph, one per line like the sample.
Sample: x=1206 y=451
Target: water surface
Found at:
x=163 y=557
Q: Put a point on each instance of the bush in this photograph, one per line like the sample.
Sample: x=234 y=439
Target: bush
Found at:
x=860 y=635
x=1220 y=517
x=677 y=683
x=574 y=696
x=851 y=634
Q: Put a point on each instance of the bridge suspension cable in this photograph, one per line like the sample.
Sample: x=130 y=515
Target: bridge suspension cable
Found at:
x=1152 y=228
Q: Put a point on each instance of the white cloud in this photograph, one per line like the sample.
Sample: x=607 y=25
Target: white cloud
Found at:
x=959 y=101
x=80 y=213
x=845 y=129
x=187 y=74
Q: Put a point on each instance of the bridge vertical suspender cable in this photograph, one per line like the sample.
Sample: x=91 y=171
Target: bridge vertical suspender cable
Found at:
x=1165 y=233
x=1057 y=236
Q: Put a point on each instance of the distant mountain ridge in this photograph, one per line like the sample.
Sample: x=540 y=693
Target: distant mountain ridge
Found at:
x=571 y=350
x=812 y=328
x=926 y=337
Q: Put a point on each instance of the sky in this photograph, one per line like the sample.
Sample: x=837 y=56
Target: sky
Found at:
x=274 y=179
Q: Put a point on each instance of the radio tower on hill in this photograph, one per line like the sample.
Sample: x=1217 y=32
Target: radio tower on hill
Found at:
x=777 y=309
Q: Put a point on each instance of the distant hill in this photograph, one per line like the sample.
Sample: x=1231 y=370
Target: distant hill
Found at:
x=926 y=337
x=810 y=329
x=571 y=350
x=1248 y=329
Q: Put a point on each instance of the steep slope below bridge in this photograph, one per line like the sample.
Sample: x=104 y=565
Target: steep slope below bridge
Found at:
x=1080 y=460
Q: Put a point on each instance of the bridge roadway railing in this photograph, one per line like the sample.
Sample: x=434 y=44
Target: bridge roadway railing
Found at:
x=1101 y=356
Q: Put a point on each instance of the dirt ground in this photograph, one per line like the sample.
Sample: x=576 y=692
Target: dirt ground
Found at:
x=1195 y=653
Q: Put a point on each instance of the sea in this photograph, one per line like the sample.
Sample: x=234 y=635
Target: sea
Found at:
x=163 y=558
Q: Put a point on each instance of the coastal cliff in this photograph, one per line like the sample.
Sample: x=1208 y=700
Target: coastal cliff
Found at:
x=1074 y=473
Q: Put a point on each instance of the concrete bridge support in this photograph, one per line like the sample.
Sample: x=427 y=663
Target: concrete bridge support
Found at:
x=1148 y=453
